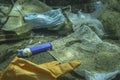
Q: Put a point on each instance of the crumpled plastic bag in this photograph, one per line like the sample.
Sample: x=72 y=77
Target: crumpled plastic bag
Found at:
x=99 y=9
x=87 y=29
x=21 y=69
x=49 y=19
x=99 y=58
x=81 y=19
x=100 y=61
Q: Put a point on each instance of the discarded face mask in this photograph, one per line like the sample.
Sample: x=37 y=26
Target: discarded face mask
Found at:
x=49 y=19
x=21 y=69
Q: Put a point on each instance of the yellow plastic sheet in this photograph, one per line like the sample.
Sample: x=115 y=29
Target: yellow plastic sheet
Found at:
x=21 y=69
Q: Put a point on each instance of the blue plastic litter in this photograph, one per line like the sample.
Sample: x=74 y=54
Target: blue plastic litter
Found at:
x=48 y=19
x=35 y=49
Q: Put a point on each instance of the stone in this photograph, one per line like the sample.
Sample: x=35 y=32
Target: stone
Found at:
x=111 y=23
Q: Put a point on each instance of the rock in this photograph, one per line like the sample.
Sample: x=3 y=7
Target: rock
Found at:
x=114 y=4
x=111 y=23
